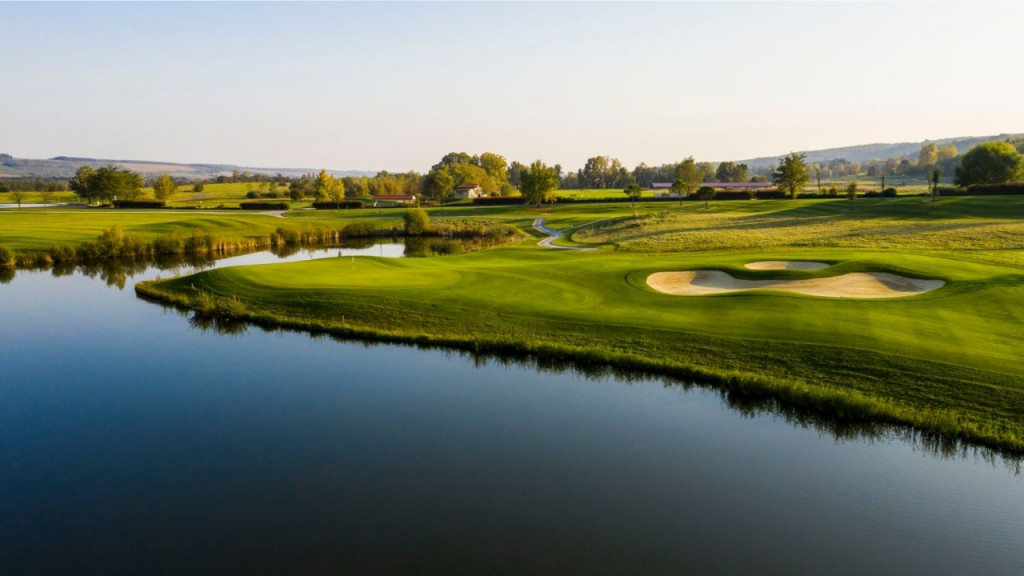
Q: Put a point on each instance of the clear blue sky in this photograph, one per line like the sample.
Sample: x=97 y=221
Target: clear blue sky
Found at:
x=395 y=86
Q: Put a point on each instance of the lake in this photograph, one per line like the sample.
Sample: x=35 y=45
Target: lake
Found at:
x=134 y=440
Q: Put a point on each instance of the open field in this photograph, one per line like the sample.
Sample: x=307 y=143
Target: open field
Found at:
x=946 y=361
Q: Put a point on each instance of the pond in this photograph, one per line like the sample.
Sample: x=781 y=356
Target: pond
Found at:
x=135 y=441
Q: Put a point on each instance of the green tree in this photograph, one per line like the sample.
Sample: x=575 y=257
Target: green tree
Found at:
x=164 y=187
x=198 y=187
x=690 y=175
x=678 y=188
x=438 y=184
x=83 y=184
x=337 y=192
x=707 y=170
x=539 y=183
x=515 y=170
x=633 y=191
x=928 y=157
x=417 y=221
x=322 y=185
x=106 y=183
x=989 y=163
x=947 y=153
x=851 y=190
x=495 y=166
x=732 y=172
x=707 y=194
x=791 y=175
x=936 y=176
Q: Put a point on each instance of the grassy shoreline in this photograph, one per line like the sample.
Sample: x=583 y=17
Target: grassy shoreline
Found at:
x=664 y=359
x=946 y=362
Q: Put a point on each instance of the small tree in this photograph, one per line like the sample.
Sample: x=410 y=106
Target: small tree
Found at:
x=323 y=184
x=48 y=196
x=690 y=174
x=539 y=183
x=707 y=194
x=936 y=177
x=678 y=187
x=438 y=184
x=164 y=187
x=417 y=221
x=198 y=187
x=633 y=191
x=851 y=190
x=337 y=192
x=791 y=176
x=18 y=196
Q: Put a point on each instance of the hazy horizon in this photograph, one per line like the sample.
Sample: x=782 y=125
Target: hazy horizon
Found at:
x=396 y=86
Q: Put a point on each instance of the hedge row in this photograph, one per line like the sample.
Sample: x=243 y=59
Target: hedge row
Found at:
x=343 y=205
x=1011 y=188
x=139 y=204
x=263 y=206
x=499 y=201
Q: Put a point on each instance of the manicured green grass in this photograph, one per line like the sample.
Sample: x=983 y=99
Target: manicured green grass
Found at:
x=947 y=361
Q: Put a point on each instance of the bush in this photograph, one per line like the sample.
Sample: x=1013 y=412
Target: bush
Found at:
x=1008 y=189
x=889 y=192
x=263 y=206
x=357 y=230
x=139 y=204
x=6 y=257
x=343 y=205
x=288 y=235
x=416 y=222
x=63 y=254
x=252 y=194
x=500 y=201
x=172 y=244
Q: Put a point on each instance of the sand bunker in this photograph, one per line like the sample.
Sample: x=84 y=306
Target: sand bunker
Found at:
x=786 y=265
x=854 y=285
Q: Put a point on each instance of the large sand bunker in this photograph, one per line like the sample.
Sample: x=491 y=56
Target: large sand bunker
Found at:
x=786 y=265
x=853 y=285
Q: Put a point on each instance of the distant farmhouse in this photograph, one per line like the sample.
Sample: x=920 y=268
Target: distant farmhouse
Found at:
x=469 y=190
x=392 y=199
x=739 y=186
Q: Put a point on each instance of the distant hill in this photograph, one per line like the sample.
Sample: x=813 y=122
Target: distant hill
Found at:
x=865 y=152
x=65 y=166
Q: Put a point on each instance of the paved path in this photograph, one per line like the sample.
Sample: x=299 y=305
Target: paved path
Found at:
x=553 y=235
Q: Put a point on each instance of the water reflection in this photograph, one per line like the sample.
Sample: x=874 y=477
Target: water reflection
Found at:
x=115 y=273
x=748 y=405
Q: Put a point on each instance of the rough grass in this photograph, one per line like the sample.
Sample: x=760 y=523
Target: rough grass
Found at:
x=987 y=230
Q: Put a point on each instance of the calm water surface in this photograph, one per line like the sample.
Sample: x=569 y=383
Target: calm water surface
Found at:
x=133 y=441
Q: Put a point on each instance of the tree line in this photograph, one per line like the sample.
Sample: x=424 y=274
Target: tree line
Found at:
x=986 y=163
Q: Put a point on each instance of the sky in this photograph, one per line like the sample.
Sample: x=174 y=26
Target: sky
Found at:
x=395 y=86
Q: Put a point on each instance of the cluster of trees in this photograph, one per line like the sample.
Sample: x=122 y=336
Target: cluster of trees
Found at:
x=240 y=176
x=489 y=170
x=605 y=172
x=105 y=184
x=990 y=163
x=33 y=185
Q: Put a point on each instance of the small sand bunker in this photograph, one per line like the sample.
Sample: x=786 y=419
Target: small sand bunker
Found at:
x=853 y=285
x=786 y=265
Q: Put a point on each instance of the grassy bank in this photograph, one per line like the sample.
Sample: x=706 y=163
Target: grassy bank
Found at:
x=946 y=362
